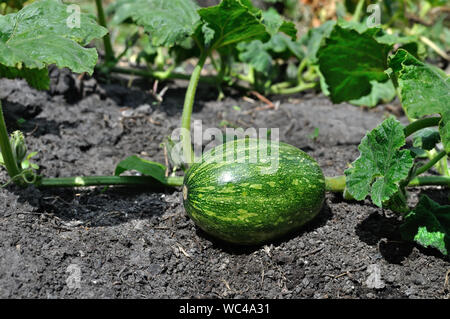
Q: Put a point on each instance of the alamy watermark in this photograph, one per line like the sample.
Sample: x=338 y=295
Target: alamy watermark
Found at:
x=73 y=281
x=235 y=145
x=374 y=19
x=74 y=18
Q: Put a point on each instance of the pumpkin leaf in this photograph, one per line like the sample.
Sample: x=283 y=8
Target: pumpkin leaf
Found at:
x=254 y=53
x=42 y=33
x=275 y=23
x=428 y=225
x=167 y=21
x=235 y=21
x=381 y=166
x=315 y=38
x=349 y=61
x=425 y=90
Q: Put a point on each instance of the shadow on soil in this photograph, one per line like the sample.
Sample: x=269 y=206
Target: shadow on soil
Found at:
x=320 y=220
x=98 y=207
x=19 y=117
x=383 y=230
x=117 y=89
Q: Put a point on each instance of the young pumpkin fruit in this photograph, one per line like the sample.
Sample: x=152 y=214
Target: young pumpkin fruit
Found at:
x=251 y=191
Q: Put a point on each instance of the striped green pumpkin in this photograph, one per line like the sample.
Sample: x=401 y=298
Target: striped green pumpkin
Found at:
x=251 y=191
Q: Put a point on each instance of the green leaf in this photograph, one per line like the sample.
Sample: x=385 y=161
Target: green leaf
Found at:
x=26 y=163
x=428 y=225
x=424 y=90
x=381 y=166
x=167 y=21
x=37 y=78
x=283 y=46
x=42 y=33
x=360 y=27
x=408 y=43
x=208 y=34
x=275 y=23
x=235 y=21
x=426 y=138
x=147 y=168
x=380 y=92
x=349 y=61
x=255 y=54
x=315 y=38
x=262 y=55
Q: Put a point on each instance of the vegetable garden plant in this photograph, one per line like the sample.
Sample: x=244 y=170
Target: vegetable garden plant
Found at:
x=236 y=201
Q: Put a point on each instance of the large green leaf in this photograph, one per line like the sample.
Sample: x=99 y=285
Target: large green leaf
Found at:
x=349 y=61
x=381 y=166
x=428 y=224
x=380 y=92
x=41 y=34
x=235 y=21
x=172 y=21
x=425 y=90
x=167 y=21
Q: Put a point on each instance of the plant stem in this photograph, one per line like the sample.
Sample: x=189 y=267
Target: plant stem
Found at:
x=433 y=46
x=291 y=90
x=311 y=74
x=333 y=184
x=420 y=124
x=358 y=11
x=300 y=69
x=109 y=52
x=80 y=181
x=337 y=184
x=162 y=75
x=282 y=85
x=431 y=163
x=442 y=167
x=430 y=181
x=160 y=58
x=187 y=109
x=249 y=78
x=5 y=148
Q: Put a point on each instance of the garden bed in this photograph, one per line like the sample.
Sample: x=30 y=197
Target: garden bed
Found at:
x=139 y=243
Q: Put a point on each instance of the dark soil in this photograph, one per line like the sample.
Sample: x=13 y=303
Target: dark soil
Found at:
x=139 y=243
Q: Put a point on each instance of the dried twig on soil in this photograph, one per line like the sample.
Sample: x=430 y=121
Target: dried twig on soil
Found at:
x=269 y=104
x=166 y=161
x=152 y=121
x=312 y=252
x=180 y=248
x=248 y=99
x=346 y=273
x=447 y=279
x=227 y=284
x=34 y=130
